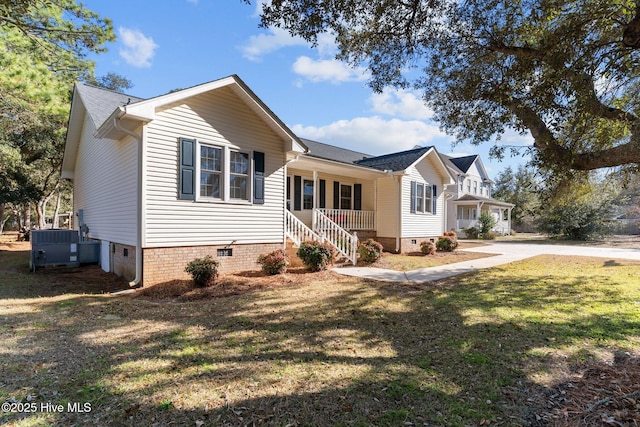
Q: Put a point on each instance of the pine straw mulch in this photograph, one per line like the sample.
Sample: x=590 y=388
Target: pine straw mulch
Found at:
x=232 y=284
x=603 y=394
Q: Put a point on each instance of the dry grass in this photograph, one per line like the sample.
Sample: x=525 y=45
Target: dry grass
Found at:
x=417 y=260
x=496 y=347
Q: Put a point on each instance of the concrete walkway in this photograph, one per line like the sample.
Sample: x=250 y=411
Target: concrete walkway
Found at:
x=506 y=252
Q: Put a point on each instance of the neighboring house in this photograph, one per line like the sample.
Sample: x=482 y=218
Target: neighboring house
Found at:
x=471 y=195
x=210 y=170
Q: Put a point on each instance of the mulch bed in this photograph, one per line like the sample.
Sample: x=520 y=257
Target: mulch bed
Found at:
x=602 y=394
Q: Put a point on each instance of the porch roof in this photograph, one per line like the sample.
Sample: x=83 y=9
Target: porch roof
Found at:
x=468 y=198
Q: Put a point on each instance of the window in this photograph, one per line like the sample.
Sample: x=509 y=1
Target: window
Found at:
x=210 y=172
x=239 y=175
x=307 y=194
x=461 y=183
x=423 y=198
x=420 y=198
x=469 y=186
x=345 y=196
x=219 y=173
x=475 y=187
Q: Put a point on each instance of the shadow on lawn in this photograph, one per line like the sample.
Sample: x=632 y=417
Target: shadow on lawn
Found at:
x=363 y=354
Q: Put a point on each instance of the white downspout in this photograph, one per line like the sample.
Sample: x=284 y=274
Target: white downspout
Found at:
x=136 y=282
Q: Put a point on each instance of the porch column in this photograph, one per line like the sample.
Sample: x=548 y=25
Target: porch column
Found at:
x=315 y=200
x=509 y=219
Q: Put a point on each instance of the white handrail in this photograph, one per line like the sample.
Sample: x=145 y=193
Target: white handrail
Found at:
x=351 y=219
x=297 y=231
x=344 y=242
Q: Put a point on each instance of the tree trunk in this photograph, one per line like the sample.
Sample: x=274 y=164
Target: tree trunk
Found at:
x=56 y=222
x=41 y=210
x=27 y=216
x=2 y=218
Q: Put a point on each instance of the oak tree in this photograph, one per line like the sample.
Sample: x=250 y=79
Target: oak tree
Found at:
x=566 y=71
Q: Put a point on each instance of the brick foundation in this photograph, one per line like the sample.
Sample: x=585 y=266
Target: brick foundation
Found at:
x=407 y=245
x=165 y=264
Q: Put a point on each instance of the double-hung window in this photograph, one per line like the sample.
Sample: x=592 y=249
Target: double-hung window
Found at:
x=238 y=175
x=211 y=172
x=345 y=196
x=220 y=173
x=307 y=194
x=423 y=198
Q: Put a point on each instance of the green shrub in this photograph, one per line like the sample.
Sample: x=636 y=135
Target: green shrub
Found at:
x=203 y=271
x=275 y=262
x=471 y=232
x=446 y=244
x=315 y=255
x=491 y=235
x=370 y=251
x=486 y=222
x=428 y=248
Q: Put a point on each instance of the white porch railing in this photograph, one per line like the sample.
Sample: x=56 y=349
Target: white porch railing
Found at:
x=344 y=242
x=325 y=231
x=297 y=231
x=501 y=227
x=351 y=219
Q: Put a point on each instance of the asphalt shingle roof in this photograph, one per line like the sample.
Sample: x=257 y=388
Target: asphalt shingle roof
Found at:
x=101 y=103
x=331 y=152
x=394 y=161
x=490 y=200
x=463 y=163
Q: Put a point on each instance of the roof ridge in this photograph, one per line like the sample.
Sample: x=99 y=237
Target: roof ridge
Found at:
x=92 y=86
x=397 y=153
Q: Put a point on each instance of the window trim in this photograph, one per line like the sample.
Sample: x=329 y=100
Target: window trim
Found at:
x=225 y=174
x=313 y=185
x=420 y=198
x=351 y=191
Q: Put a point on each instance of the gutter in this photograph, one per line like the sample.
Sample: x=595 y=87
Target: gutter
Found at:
x=136 y=282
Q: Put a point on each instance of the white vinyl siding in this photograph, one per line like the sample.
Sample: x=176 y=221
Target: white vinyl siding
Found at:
x=425 y=224
x=217 y=119
x=387 y=208
x=105 y=186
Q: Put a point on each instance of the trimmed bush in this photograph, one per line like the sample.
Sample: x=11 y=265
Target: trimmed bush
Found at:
x=315 y=256
x=471 y=232
x=486 y=222
x=203 y=271
x=275 y=262
x=451 y=233
x=428 y=248
x=491 y=235
x=446 y=244
x=370 y=251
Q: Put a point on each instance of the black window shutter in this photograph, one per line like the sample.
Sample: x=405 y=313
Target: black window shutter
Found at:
x=357 y=197
x=258 y=177
x=187 y=173
x=434 y=197
x=336 y=195
x=413 y=197
x=297 y=192
x=323 y=194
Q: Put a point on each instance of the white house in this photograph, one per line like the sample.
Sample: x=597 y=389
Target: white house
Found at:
x=471 y=195
x=210 y=170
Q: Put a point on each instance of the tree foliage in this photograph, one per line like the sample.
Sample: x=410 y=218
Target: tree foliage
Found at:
x=43 y=49
x=520 y=188
x=567 y=71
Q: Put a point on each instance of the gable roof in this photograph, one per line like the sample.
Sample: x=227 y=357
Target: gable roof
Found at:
x=395 y=161
x=100 y=102
x=332 y=152
x=488 y=200
x=463 y=163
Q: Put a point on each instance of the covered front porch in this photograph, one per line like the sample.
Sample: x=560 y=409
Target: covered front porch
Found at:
x=344 y=193
x=469 y=209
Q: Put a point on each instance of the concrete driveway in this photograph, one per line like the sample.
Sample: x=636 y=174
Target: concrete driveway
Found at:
x=506 y=252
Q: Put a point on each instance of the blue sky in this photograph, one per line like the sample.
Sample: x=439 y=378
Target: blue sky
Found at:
x=170 y=44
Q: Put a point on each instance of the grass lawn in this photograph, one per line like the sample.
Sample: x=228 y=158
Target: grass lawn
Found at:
x=502 y=346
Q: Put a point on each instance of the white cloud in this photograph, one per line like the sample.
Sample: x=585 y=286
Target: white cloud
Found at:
x=274 y=39
x=403 y=103
x=137 y=49
x=330 y=70
x=374 y=135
